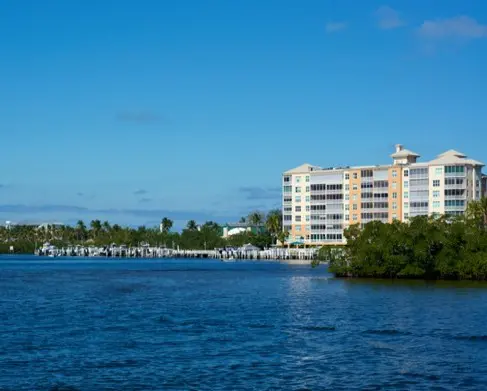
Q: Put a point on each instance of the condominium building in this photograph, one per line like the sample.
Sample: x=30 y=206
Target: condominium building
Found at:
x=319 y=203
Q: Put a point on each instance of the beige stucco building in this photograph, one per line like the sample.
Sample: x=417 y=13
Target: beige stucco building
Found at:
x=319 y=203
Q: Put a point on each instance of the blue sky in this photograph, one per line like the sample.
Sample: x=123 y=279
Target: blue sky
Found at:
x=134 y=110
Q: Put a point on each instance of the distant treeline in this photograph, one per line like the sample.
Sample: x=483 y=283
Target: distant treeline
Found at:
x=429 y=248
x=24 y=238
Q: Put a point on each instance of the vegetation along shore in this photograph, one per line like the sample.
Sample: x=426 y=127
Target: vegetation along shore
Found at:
x=426 y=247
x=25 y=238
x=445 y=247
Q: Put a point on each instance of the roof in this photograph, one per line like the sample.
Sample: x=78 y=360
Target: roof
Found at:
x=404 y=153
x=454 y=157
x=452 y=152
x=303 y=168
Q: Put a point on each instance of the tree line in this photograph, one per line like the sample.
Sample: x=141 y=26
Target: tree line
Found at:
x=448 y=247
x=25 y=238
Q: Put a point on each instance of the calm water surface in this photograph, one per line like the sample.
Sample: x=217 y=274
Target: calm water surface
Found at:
x=206 y=325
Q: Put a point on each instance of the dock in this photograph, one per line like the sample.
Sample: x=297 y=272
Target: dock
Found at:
x=243 y=253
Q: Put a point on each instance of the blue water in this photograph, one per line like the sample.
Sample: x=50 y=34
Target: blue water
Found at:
x=206 y=325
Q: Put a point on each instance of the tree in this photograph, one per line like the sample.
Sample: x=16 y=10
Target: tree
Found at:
x=256 y=218
x=192 y=226
x=166 y=225
x=95 y=226
x=106 y=227
x=80 y=230
x=477 y=212
x=282 y=237
x=274 y=222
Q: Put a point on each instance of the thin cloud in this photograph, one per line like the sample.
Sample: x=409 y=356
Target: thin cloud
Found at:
x=388 y=18
x=253 y=193
x=333 y=27
x=458 y=27
x=140 y=117
x=140 y=192
x=145 y=200
x=17 y=210
x=80 y=194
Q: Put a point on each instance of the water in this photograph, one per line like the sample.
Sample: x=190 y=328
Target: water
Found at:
x=207 y=325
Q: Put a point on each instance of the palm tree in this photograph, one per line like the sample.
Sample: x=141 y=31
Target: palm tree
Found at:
x=106 y=226
x=191 y=226
x=477 y=212
x=80 y=230
x=282 y=237
x=274 y=222
x=166 y=225
x=95 y=226
x=242 y=220
x=255 y=218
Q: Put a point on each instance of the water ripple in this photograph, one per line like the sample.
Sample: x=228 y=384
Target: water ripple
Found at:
x=205 y=325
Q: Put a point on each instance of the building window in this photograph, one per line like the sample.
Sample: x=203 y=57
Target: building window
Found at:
x=406 y=184
x=394 y=185
x=307 y=198
x=454 y=169
x=347 y=187
x=394 y=216
x=347 y=176
x=436 y=194
x=347 y=206
x=438 y=170
x=297 y=219
x=355 y=186
x=436 y=183
x=354 y=175
x=307 y=189
x=307 y=178
x=297 y=199
x=394 y=205
x=287 y=179
x=406 y=172
x=354 y=197
x=406 y=215
x=307 y=217
x=394 y=173
x=354 y=217
x=298 y=228
x=406 y=194
x=406 y=205
x=347 y=197
x=347 y=217
x=354 y=206
x=307 y=208
x=298 y=179
x=297 y=209
x=436 y=204
x=308 y=228
x=297 y=190
x=287 y=189
x=394 y=195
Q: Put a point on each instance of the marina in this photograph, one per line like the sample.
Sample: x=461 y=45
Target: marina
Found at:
x=246 y=252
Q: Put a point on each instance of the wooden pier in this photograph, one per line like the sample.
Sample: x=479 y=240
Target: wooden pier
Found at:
x=225 y=254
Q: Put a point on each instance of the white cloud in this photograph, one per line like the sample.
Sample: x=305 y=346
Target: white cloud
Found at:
x=462 y=27
x=333 y=27
x=388 y=18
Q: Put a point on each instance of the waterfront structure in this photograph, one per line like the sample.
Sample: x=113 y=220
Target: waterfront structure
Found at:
x=319 y=203
x=230 y=229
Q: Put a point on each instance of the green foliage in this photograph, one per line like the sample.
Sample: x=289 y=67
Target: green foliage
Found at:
x=442 y=248
x=25 y=239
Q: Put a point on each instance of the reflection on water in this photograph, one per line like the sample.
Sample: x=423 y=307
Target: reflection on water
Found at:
x=202 y=324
